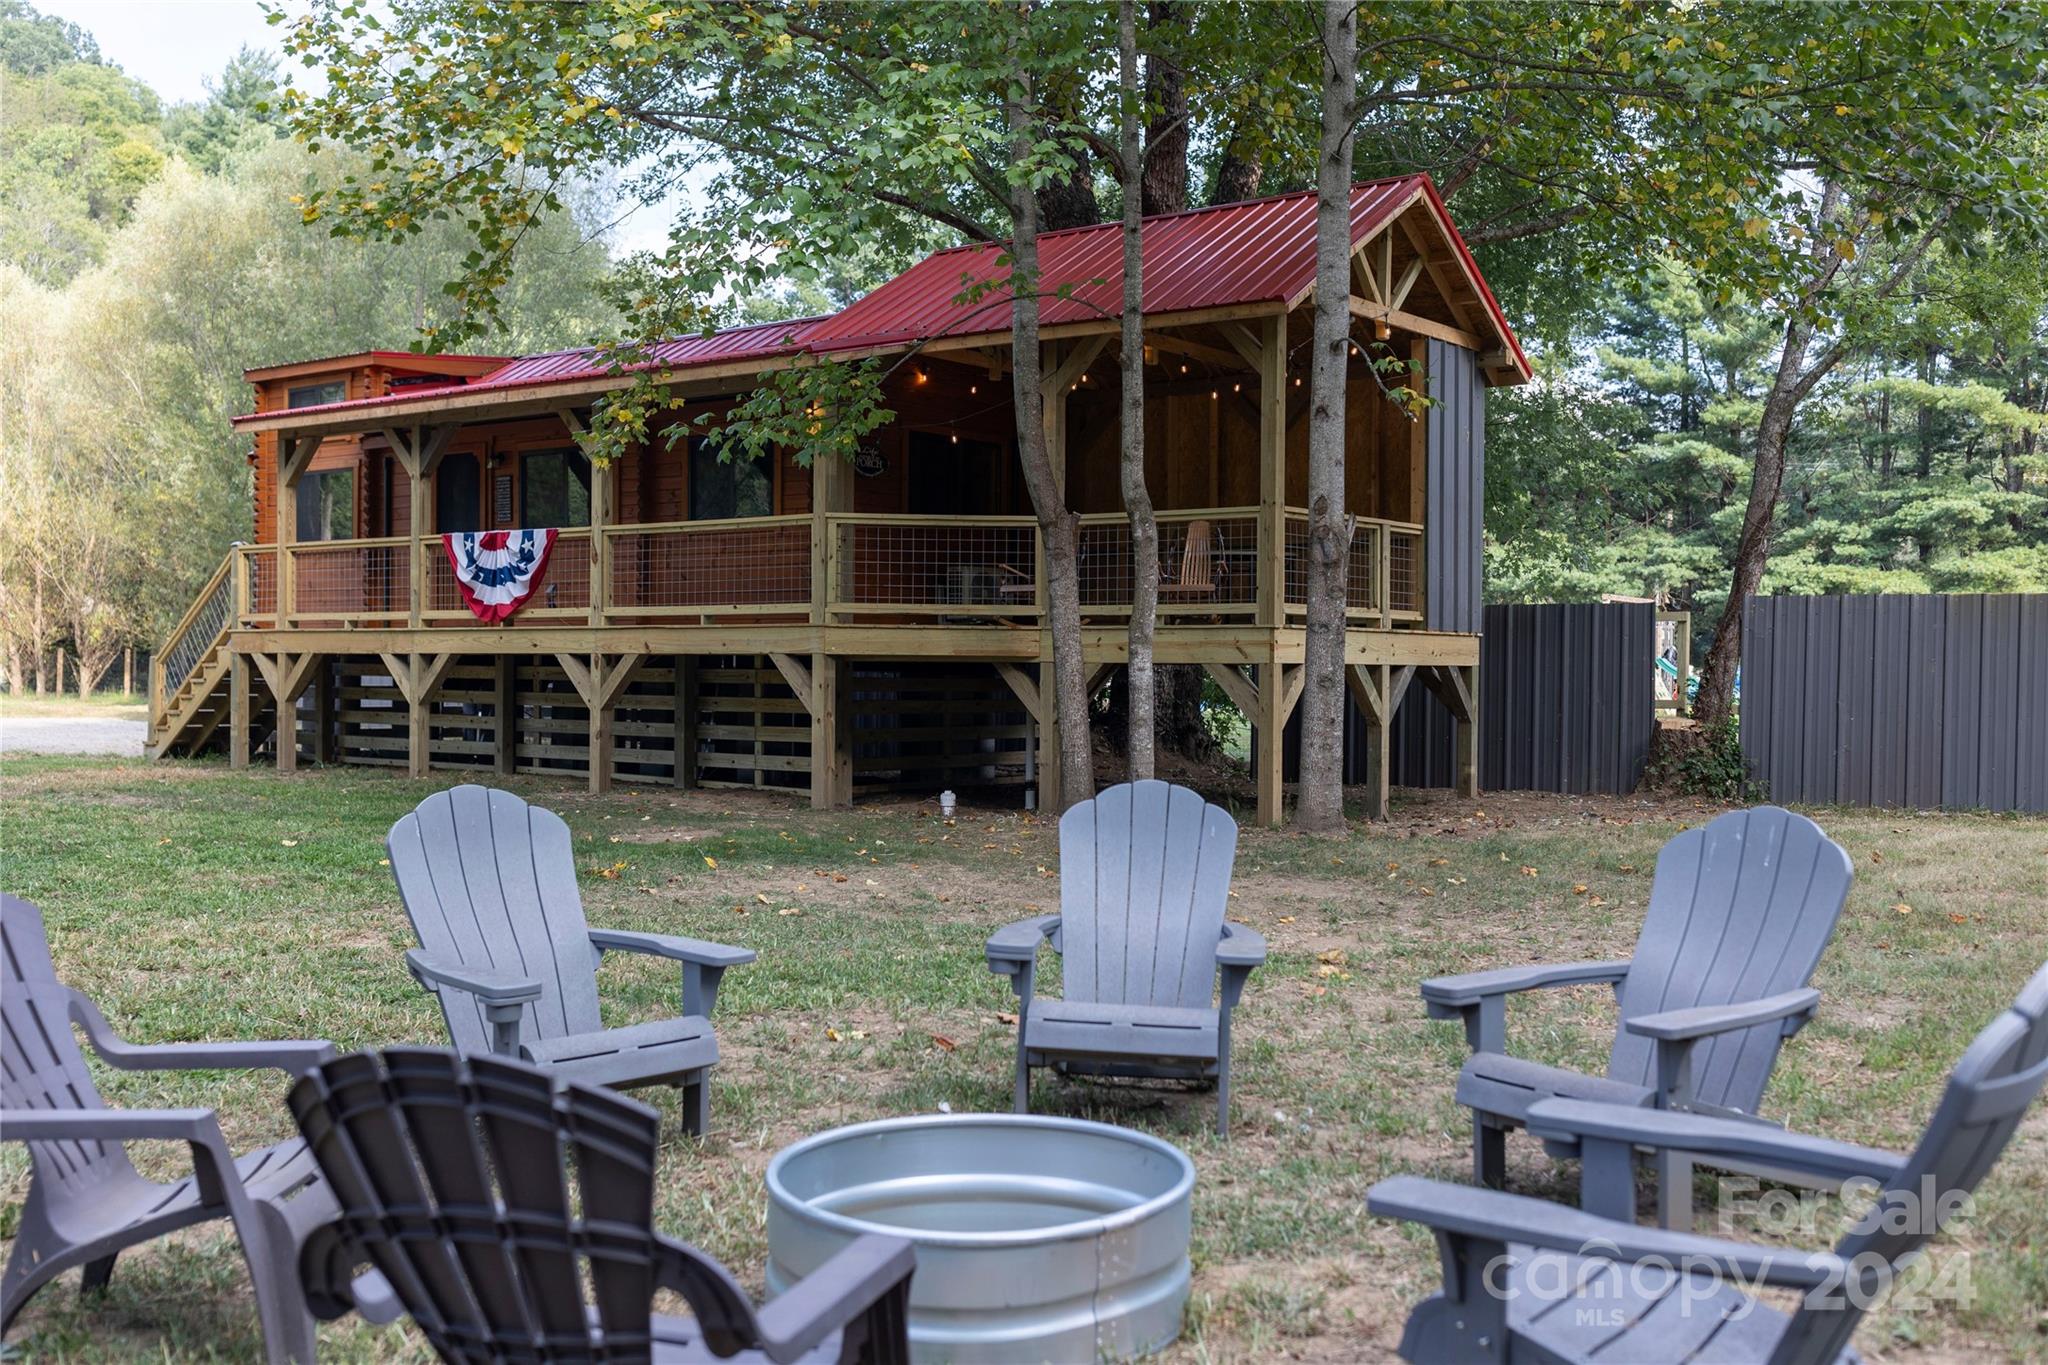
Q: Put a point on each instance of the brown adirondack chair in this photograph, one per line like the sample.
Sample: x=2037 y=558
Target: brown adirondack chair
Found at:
x=86 y=1203
x=1196 y=581
x=513 y=1214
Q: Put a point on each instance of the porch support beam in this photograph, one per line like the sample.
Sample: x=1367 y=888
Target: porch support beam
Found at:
x=1272 y=533
x=1371 y=686
x=831 y=732
x=505 y=706
x=238 y=710
x=600 y=680
x=419 y=677
x=797 y=673
x=286 y=675
x=685 y=772
x=1457 y=687
x=1413 y=322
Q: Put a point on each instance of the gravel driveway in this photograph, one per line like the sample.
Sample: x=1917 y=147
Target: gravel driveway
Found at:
x=72 y=735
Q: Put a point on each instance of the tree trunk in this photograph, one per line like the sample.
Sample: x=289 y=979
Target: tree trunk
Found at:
x=1057 y=525
x=1139 y=743
x=1716 y=701
x=1239 y=174
x=1165 y=178
x=1319 y=802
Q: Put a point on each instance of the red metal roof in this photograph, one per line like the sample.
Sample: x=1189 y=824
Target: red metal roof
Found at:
x=1259 y=251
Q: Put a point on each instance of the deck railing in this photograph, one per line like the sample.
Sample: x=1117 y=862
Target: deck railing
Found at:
x=1381 y=572
x=964 y=568
x=562 y=592
x=350 y=582
x=1208 y=563
x=957 y=570
x=748 y=566
x=193 y=638
x=255 y=575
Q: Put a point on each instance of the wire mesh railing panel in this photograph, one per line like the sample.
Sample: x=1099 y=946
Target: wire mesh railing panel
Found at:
x=261 y=576
x=1362 y=568
x=969 y=567
x=1404 y=571
x=192 y=644
x=712 y=566
x=351 y=580
x=563 y=586
x=1208 y=563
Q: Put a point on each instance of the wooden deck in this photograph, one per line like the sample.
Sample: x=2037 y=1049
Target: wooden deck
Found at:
x=802 y=602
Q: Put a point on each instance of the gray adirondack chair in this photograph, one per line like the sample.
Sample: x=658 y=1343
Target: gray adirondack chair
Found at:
x=1519 y=1283
x=86 y=1203
x=1739 y=912
x=490 y=885
x=513 y=1214
x=1144 y=879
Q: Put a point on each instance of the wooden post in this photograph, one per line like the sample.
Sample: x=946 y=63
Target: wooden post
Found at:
x=831 y=736
x=686 y=717
x=505 y=707
x=1272 y=565
x=419 y=750
x=128 y=670
x=418 y=527
x=1468 y=733
x=1271 y=721
x=1371 y=688
x=600 y=761
x=1383 y=574
x=238 y=710
x=831 y=491
x=602 y=486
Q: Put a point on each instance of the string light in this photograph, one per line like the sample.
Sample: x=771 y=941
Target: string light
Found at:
x=1213 y=394
x=974 y=388
x=956 y=438
x=1237 y=388
x=1183 y=369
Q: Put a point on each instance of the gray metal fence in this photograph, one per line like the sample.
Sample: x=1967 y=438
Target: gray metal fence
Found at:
x=1916 y=701
x=1566 y=704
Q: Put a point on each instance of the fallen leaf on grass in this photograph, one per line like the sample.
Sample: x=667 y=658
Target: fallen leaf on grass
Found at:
x=289 y=843
x=1578 y=888
x=1334 y=957
x=789 y=910
x=1903 y=908
x=1877 y=855
x=944 y=1043
x=761 y=898
x=1006 y=1018
x=1954 y=918
x=1310 y=988
x=1286 y=919
x=832 y=1034
x=1439 y=862
x=1528 y=871
x=711 y=862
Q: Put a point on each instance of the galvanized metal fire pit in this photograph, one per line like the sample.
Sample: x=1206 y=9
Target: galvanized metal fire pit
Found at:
x=1038 y=1239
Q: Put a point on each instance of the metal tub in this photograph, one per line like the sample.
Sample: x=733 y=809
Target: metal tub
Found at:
x=1038 y=1239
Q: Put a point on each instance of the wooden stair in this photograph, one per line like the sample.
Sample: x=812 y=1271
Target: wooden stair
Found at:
x=190 y=672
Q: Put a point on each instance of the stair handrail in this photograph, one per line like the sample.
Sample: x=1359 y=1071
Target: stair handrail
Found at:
x=193 y=638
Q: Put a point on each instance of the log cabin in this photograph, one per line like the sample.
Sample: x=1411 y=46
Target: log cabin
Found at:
x=880 y=622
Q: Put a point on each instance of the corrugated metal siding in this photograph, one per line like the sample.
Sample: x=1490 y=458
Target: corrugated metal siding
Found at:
x=1916 y=701
x=1456 y=488
x=1566 y=704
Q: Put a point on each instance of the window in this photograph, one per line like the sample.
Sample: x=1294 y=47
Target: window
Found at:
x=554 y=488
x=327 y=505
x=314 y=395
x=727 y=488
x=458 y=495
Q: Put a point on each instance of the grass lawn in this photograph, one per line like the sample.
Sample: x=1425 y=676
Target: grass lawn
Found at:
x=193 y=902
